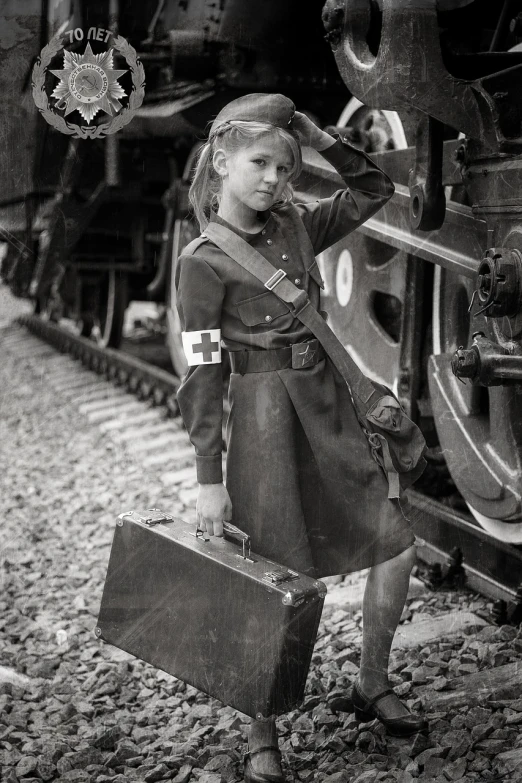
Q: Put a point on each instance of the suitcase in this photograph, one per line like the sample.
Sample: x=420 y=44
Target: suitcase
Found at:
x=208 y=611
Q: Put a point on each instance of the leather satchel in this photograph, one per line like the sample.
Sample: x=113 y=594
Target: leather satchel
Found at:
x=396 y=443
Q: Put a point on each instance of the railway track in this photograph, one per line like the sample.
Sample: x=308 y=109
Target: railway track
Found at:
x=135 y=403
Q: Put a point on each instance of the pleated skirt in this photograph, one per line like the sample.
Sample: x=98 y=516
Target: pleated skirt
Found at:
x=301 y=478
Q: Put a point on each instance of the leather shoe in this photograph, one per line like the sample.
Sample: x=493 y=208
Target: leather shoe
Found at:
x=253 y=777
x=367 y=709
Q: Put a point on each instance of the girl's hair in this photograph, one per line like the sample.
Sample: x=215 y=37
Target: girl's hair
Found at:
x=205 y=191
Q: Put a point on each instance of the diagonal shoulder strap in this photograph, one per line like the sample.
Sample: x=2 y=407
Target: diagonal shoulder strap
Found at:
x=249 y=258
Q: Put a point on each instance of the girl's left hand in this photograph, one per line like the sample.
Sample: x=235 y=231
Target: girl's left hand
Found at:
x=309 y=134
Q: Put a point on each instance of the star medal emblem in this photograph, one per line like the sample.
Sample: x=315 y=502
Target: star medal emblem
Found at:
x=308 y=355
x=89 y=84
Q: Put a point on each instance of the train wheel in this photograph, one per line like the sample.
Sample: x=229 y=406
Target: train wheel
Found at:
x=112 y=300
x=486 y=422
x=366 y=281
x=48 y=308
x=479 y=428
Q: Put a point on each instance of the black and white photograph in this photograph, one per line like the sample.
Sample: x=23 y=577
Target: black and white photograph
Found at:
x=261 y=391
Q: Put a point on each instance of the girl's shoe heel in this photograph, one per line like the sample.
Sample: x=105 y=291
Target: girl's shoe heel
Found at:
x=367 y=709
x=252 y=777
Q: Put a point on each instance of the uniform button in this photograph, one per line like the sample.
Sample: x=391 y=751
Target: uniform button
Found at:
x=268 y=317
x=284 y=257
x=263 y=231
x=297 y=280
x=268 y=241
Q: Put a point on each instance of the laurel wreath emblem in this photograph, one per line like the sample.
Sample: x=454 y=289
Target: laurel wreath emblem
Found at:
x=41 y=100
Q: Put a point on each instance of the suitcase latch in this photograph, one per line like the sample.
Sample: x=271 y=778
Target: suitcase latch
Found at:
x=155 y=517
x=280 y=575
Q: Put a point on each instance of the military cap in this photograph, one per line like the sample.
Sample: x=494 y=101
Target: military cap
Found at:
x=276 y=109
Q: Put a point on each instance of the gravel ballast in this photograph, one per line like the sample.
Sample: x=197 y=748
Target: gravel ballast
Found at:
x=74 y=709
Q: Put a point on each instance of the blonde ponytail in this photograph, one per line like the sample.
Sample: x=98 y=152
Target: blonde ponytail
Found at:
x=203 y=183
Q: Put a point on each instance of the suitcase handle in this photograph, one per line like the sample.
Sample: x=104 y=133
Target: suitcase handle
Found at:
x=234 y=532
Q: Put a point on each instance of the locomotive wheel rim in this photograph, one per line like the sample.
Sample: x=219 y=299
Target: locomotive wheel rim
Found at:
x=111 y=305
x=481 y=419
x=504 y=529
x=84 y=326
x=359 y=272
x=47 y=308
x=509 y=532
x=103 y=326
x=108 y=324
x=383 y=366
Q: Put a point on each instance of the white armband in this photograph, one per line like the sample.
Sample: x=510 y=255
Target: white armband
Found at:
x=202 y=347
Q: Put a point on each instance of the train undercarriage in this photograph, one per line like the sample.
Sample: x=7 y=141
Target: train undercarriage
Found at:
x=426 y=296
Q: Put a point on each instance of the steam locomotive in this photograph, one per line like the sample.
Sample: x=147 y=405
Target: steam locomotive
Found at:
x=426 y=296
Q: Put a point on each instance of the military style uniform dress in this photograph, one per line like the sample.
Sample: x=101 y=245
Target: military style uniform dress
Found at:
x=299 y=472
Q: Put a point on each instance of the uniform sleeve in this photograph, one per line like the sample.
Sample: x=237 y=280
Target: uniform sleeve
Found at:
x=368 y=188
x=199 y=298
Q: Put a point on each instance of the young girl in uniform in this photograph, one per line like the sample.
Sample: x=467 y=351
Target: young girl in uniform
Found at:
x=300 y=478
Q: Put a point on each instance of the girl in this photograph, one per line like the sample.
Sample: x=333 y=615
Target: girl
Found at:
x=300 y=478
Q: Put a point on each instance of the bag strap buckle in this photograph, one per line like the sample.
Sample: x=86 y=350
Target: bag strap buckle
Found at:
x=275 y=279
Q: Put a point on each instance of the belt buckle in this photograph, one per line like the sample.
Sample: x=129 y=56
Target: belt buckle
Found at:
x=304 y=354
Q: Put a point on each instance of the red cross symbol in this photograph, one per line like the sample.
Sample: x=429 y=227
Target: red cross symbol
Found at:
x=206 y=347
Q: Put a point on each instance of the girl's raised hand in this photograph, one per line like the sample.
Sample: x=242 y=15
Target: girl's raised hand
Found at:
x=213 y=507
x=309 y=134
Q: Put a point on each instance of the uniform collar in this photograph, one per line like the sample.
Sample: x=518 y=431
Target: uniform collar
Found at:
x=264 y=218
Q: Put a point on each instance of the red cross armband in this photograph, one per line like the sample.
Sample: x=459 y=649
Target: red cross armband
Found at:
x=202 y=347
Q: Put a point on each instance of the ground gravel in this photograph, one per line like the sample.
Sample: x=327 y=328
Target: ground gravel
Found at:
x=78 y=710
x=11 y=307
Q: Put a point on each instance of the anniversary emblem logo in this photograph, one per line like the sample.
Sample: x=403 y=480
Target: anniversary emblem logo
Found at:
x=87 y=83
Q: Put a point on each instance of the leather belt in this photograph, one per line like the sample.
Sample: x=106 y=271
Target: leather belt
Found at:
x=297 y=356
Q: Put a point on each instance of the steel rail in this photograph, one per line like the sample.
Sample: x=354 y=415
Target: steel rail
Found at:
x=492 y=567
x=141 y=378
